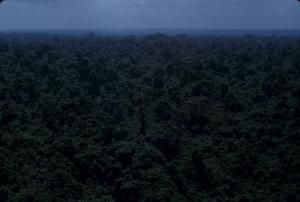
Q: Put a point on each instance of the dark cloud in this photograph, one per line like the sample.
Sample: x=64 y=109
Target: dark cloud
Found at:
x=102 y=14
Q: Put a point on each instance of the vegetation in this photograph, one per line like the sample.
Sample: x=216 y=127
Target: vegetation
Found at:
x=153 y=118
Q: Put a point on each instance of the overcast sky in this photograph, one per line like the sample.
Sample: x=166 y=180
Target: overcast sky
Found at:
x=136 y=14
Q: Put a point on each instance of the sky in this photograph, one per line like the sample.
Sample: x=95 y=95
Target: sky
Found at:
x=144 y=14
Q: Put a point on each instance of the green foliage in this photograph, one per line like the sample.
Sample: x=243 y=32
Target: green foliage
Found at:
x=155 y=118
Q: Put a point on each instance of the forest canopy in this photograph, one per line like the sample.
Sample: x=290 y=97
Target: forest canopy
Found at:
x=151 y=118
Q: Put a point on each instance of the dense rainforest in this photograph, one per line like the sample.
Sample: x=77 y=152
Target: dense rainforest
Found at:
x=149 y=118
